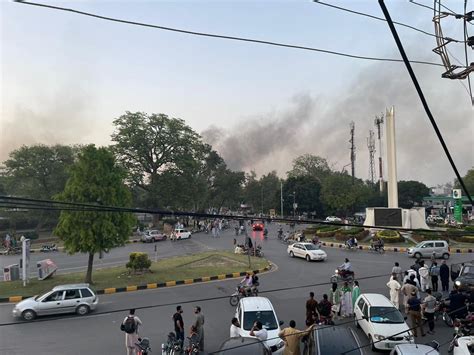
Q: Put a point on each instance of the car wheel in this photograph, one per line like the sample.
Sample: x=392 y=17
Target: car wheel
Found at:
x=291 y=254
x=372 y=345
x=152 y=240
x=82 y=310
x=445 y=256
x=28 y=314
x=234 y=300
x=308 y=258
x=417 y=256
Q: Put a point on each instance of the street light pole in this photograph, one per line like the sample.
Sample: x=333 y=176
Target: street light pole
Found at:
x=281 y=199
x=262 y=198
x=294 y=204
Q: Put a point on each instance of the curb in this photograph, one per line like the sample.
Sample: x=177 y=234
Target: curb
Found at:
x=111 y=290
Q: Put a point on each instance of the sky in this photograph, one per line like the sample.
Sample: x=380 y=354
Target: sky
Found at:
x=66 y=77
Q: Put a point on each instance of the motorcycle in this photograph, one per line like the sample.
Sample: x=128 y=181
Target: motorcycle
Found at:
x=13 y=251
x=350 y=246
x=280 y=235
x=47 y=248
x=377 y=249
x=173 y=345
x=342 y=276
x=143 y=346
x=241 y=292
x=258 y=251
x=462 y=328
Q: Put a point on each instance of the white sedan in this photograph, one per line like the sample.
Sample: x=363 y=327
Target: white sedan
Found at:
x=308 y=251
x=180 y=233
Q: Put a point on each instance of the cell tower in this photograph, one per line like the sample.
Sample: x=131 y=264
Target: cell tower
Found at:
x=353 y=154
x=378 y=123
x=371 y=146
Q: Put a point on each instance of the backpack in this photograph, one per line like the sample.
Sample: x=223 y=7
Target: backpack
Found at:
x=129 y=326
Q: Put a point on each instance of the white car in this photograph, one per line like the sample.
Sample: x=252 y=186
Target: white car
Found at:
x=463 y=345
x=180 y=233
x=333 y=219
x=383 y=324
x=308 y=251
x=252 y=309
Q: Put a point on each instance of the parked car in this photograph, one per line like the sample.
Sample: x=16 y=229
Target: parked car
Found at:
x=383 y=324
x=180 y=233
x=426 y=249
x=333 y=340
x=152 y=236
x=308 y=251
x=416 y=349
x=464 y=346
x=243 y=346
x=252 y=309
x=434 y=219
x=258 y=225
x=465 y=280
x=72 y=298
x=333 y=219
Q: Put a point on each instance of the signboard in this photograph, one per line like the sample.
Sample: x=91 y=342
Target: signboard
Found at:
x=25 y=246
x=457 y=194
x=458 y=211
x=388 y=217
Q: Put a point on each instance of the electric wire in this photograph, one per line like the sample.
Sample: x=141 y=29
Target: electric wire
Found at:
x=465 y=53
x=422 y=98
x=233 y=38
x=384 y=20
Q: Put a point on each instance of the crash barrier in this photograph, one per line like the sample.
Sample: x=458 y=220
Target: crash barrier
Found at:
x=395 y=249
x=157 y=285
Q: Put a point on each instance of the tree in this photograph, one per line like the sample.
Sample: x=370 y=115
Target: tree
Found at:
x=305 y=192
x=468 y=181
x=95 y=179
x=262 y=194
x=411 y=193
x=226 y=188
x=310 y=165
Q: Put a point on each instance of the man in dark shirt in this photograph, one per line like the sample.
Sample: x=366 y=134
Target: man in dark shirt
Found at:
x=311 y=310
x=179 y=324
x=414 y=310
x=444 y=276
x=457 y=304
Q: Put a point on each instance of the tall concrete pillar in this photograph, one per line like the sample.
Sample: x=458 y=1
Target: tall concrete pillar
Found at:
x=391 y=159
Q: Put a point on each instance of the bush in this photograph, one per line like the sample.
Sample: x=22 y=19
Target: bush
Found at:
x=31 y=235
x=139 y=262
x=466 y=239
x=342 y=237
x=352 y=231
x=390 y=236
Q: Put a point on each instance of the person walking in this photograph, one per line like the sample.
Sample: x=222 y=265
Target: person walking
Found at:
x=179 y=324
x=414 y=310
x=130 y=326
x=424 y=276
x=346 y=300
x=407 y=290
x=311 y=310
x=444 y=276
x=394 y=287
x=429 y=307
x=199 y=324
x=235 y=328
x=397 y=270
x=292 y=338
x=434 y=273
x=335 y=299
x=355 y=293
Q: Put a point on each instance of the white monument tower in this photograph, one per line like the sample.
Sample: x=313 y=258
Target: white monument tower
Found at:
x=391 y=158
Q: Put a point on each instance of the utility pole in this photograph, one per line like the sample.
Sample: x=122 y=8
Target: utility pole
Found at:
x=378 y=122
x=294 y=204
x=281 y=198
x=353 y=155
x=371 y=146
x=262 y=199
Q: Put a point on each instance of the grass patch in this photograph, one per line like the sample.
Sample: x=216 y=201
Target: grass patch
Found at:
x=176 y=268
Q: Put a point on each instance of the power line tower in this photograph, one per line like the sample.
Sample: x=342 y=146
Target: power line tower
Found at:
x=371 y=146
x=353 y=155
x=378 y=123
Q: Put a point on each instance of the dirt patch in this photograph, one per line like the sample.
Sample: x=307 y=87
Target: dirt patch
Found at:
x=213 y=261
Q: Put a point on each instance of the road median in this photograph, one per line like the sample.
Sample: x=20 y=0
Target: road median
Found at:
x=183 y=270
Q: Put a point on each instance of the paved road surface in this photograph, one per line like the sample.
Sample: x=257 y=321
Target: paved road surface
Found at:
x=100 y=334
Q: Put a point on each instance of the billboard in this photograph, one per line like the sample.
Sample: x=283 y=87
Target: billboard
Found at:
x=388 y=217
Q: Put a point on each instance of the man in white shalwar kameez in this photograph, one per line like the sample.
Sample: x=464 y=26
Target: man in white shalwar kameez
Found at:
x=394 y=287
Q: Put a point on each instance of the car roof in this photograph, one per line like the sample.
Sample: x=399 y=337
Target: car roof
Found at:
x=415 y=349
x=256 y=304
x=70 y=286
x=376 y=299
x=242 y=345
x=432 y=241
x=337 y=340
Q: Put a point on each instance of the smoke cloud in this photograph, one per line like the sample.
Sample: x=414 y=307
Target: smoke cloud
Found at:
x=272 y=141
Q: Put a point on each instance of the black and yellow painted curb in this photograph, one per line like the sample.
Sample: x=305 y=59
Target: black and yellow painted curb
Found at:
x=107 y=291
x=395 y=249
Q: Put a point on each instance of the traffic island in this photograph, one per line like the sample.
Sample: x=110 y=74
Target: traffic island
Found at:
x=182 y=270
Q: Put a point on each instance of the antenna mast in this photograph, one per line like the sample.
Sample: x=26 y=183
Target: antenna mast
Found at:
x=378 y=123
x=371 y=146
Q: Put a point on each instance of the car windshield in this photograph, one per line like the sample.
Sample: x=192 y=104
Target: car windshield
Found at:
x=311 y=247
x=467 y=270
x=266 y=317
x=385 y=315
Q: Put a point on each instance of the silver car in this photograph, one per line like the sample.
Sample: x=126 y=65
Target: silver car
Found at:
x=429 y=248
x=74 y=298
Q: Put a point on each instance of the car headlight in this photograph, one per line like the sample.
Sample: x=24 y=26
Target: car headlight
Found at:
x=457 y=283
x=378 y=337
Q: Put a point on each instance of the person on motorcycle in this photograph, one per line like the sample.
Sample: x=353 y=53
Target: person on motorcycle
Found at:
x=280 y=233
x=265 y=232
x=457 y=304
x=346 y=268
x=352 y=242
x=247 y=284
x=255 y=282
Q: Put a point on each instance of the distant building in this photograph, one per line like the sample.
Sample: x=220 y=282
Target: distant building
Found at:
x=441 y=190
x=444 y=205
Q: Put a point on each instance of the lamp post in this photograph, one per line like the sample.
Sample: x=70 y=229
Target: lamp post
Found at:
x=294 y=204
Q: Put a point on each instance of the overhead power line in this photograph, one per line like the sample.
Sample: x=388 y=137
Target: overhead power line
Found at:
x=466 y=36
x=233 y=38
x=382 y=19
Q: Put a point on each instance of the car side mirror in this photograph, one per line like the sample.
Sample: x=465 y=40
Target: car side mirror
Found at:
x=281 y=322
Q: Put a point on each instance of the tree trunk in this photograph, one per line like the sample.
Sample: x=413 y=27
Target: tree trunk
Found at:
x=90 y=263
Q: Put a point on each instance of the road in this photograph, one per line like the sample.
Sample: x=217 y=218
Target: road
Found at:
x=99 y=333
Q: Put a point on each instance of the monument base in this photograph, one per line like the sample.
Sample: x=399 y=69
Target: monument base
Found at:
x=413 y=218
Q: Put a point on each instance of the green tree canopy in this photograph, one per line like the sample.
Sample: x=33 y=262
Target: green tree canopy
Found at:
x=95 y=179
x=310 y=165
x=411 y=193
x=468 y=181
x=305 y=192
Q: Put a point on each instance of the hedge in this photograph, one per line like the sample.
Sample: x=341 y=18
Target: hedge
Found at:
x=466 y=239
x=390 y=236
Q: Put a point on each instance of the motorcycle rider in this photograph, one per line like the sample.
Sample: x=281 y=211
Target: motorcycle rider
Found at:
x=247 y=284
x=280 y=232
x=352 y=242
x=346 y=268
